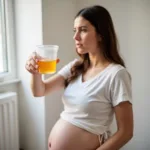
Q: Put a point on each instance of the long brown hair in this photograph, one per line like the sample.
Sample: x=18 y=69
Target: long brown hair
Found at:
x=100 y=18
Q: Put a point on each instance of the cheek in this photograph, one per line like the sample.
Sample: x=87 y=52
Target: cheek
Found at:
x=90 y=41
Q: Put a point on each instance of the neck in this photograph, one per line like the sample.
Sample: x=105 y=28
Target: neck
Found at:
x=97 y=61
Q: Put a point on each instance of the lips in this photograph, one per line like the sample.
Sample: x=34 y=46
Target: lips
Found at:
x=78 y=45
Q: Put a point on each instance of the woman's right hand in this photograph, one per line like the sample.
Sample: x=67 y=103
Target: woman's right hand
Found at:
x=32 y=63
x=41 y=87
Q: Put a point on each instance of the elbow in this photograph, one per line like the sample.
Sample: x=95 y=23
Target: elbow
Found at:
x=37 y=90
x=128 y=136
x=37 y=94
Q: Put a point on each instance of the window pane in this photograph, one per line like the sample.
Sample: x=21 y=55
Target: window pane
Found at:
x=1 y=62
x=3 y=45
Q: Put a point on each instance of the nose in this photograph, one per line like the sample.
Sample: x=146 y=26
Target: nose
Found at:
x=77 y=36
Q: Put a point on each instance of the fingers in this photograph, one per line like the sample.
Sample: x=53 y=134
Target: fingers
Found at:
x=35 y=56
x=32 y=63
x=58 y=60
x=31 y=69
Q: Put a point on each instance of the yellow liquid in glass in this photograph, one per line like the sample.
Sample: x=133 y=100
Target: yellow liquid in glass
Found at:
x=47 y=66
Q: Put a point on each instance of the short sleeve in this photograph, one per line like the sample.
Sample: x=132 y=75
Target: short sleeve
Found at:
x=66 y=70
x=121 y=89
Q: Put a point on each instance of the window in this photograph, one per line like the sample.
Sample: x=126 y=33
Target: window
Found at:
x=3 y=44
x=7 y=40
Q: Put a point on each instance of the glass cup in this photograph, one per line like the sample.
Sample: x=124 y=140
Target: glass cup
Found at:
x=48 y=58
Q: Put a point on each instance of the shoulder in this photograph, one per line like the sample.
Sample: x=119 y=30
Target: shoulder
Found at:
x=66 y=70
x=115 y=68
x=119 y=72
x=71 y=63
x=121 y=85
x=74 y=61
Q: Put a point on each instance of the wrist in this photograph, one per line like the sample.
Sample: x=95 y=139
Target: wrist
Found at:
x=36 y=75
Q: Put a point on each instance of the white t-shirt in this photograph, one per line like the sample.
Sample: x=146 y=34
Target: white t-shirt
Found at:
x=89 y=105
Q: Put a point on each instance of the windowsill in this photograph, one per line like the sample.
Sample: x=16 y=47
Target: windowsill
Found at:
x=6 y=94
x=9 y=82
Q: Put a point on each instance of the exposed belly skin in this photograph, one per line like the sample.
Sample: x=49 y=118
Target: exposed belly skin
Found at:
x=65 y=136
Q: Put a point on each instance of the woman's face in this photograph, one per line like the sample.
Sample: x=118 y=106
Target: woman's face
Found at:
x=85 y=36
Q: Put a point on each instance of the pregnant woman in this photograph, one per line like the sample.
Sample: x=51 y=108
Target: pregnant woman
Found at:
x=96 y=87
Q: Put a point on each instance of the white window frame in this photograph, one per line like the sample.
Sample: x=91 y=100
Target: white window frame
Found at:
x=10 y=41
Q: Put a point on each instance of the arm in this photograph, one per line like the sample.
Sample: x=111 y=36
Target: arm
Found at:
x=124 y=118
x=42 y=88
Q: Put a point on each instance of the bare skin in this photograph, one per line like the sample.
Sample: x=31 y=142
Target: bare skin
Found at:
x=65 y=136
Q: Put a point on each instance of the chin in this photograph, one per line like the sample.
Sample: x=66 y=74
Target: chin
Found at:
x=81 y=51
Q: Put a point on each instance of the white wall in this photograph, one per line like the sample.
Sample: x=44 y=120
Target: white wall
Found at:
x=139 y=35
x=132 y=23
x=31 y=110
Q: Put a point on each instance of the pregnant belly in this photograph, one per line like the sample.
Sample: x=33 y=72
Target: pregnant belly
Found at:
x=65 y=136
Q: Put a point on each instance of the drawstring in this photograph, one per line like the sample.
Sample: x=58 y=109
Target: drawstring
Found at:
x=103 y=137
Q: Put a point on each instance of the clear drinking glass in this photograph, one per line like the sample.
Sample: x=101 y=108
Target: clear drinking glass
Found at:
x=48 y=58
